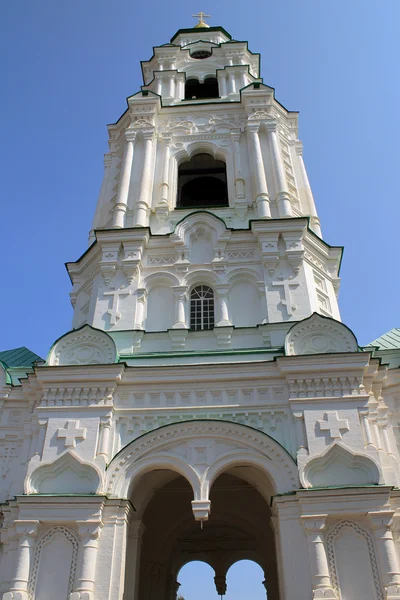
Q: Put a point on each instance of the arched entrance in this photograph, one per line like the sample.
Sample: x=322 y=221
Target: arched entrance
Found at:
x=201 y=490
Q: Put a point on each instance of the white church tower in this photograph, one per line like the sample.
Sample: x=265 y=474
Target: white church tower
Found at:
x=208 y=404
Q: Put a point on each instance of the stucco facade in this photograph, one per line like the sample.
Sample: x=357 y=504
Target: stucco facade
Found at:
x=207 y=403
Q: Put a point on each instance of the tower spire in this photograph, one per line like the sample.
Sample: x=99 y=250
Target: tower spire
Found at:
x=201 y=16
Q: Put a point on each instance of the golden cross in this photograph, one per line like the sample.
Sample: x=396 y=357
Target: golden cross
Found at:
x=201 y=16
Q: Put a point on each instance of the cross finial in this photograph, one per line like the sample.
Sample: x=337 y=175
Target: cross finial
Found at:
x=201 y=16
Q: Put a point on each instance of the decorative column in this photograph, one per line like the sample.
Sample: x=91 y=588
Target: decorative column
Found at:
x=239 y=181
x=164 y=186
x=242 y=79
x=222 y=292
x=121 y=204
x=231 y=82
x=300 y=433
x=102 y=195
x=180 y=294
x=136 y=531
x=89 y=533
x=314 y=526
x=26 y=531
x=222 y=84
x=141 y=295
x=171 y=87
x=145 y=185
x=381 y=522
x=260 y=181
x=159 y=85
x=366 y=427
x=315 y=224
x=282 y=192
x=104 y=437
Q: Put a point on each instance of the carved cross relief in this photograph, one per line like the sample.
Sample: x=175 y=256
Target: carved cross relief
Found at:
x=333 y=425
x=287 y=285
x=113 y=310
x=71 y=433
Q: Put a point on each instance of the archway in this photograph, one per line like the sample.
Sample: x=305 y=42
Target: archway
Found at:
x=202 y=491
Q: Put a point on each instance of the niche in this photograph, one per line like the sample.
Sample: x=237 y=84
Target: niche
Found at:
x=202 y=183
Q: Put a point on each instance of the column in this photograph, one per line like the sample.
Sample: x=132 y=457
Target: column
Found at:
x=180 y=95
x=136 y=531
x=300 y=433
x=231 y=82
x=260 y=181
x=164 y=186
x=315 y=224
x=159 y=85
x=222 y=293
x=104 y=437
x=366 y=427
x=242 y=79
x=171 y=86
x=381 y=522
x=102 y=197
x=239 y=181
x=26 y=531
x=121 y=204
x=222 y=84
x=314 y=526
x=282 y=192
x=141 y=295
x=89 y=533
x=180 y=294
x=145 y=185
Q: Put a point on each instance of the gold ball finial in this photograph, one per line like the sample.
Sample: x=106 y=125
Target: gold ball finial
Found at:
x=201 y=16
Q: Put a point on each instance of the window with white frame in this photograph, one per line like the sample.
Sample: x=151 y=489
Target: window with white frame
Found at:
x=201 y=308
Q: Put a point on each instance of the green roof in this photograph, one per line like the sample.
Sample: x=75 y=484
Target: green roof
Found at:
x=19 y=357
x=388 y=341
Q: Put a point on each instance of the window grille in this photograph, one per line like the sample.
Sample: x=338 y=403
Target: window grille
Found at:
x=201 y=308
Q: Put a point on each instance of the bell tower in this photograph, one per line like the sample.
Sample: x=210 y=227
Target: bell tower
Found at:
x=204 y=189
x=208 y=403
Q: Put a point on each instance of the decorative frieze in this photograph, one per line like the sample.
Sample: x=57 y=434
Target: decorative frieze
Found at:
x=77 y=396
x=324 y=387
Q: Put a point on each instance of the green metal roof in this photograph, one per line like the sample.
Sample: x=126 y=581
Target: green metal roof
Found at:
x=19 y=357
x=387 y=341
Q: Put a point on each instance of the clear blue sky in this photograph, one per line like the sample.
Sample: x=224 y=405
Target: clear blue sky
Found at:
x=68 y=67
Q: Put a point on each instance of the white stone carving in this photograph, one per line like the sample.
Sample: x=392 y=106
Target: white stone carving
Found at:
x=339 y=466
x=85 y=346
x=319 y=335
x=70 y=537
x=333 y=425
x=70 y=433
x=66 y=475
x=330 y=538
x=153 y=449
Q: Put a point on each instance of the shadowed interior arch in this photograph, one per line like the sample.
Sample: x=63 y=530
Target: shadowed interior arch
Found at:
x=202 y=182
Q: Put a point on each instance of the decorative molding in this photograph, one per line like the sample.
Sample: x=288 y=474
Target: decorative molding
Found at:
x=77 y=396
x=324 y=387
x=330 y=538
x=319 y=335
x=85 y=346
x=73 y=539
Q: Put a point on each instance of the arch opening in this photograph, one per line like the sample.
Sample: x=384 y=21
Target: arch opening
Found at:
x=174 y=547
x=202 y=182
x=194 y=90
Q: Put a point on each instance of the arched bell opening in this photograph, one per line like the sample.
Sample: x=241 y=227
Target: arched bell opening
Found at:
x=196 y=579
x=202 y=183
x=246 y=579
x=194 y=90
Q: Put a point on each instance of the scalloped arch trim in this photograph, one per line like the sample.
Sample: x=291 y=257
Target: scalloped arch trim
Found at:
x=339 y=466
x=67 y=475
x=84 y=346
x=319 y=335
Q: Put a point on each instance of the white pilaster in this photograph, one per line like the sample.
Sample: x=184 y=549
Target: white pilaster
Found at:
x=180 y=294
x=141 y=295
x=121 y=205
x=145 y=185
x=222 y=293
x=89 y=532
x=282 y=192
x=381 y=522
x=239 y=181
x=26 y=532
x=314 y=526
x=315 y=224
x=260 y=182
x=104 y=437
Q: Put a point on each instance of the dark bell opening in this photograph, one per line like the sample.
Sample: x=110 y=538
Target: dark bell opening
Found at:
x=202 y=183
x=194 y=90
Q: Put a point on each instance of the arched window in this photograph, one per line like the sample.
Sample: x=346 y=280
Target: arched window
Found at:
x=202 y=183
x=194 y=90
x=201 y=308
